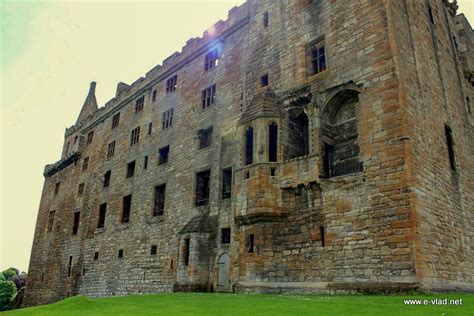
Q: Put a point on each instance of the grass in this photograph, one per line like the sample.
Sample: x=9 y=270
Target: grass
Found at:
x=240 y=304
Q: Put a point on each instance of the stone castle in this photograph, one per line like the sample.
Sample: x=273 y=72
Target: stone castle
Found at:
x=299 y=146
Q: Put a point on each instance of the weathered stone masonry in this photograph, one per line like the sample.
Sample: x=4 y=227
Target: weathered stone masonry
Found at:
x=334 y=138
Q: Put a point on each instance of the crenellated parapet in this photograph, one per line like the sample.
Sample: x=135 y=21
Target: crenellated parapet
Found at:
x=54 y=168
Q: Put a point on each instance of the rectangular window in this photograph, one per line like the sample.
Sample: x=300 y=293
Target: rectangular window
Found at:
x=80 y=189
x=96 y=255
x=225 y=235
x=159 y=204
x=208 y=96
x=171 y=84
x=249 y=146
x=139 y=104
x=250 y=243
x=120 y=254
x=163 y=158
x=318 y=58
x=126 y=206
x=69 y=267
x=211 y=59
x=102 y=211
x=167 y=119
x=226 y=183
x=321 y=232
x=205 y=137
x=153 y=98
x=56 y=188
x=265 y=19
x=107 y=175
x=51 y=221
x=449 y=143
x=85 y=164
x=145 y=162
x=90 y=137
x=130 y=169
x=150 y=128
x=153 y=250
x=264 y=80
x=186 y=252
x=135 y=136
x=111 y=149
x=202 y=187
x=75 y=226
x=115 y=120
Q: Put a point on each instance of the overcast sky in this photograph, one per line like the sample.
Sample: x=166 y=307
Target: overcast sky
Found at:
x=49 y=53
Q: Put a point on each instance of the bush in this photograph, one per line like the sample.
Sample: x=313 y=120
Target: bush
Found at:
x=10 y=273
x=7 y=292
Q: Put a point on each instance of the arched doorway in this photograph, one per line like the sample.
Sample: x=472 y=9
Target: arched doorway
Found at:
x=223 y=277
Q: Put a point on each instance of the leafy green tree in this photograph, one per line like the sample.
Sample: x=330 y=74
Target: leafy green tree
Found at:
x=7 y=292
x=10 y=273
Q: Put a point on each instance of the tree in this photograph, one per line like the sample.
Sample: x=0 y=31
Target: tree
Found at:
x=7 y=292
x=10 y=273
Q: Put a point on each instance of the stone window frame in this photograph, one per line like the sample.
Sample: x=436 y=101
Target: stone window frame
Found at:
x=106 y=180
x=171 y=83
x=250 y=243
x=153 y=250
x=90 y=137
x=102 y=215
x=202 y=199
x=167 y=118
x=159 y=204
x=227 y=181
x=315 y=46
x=211 y=59
x=226 y=235
x=56 y=188
x=135 y=136
x=249 y=145
x=130 y=169
x=139 y=104
x=163 y=155
x=448 y=132
x=265 y=19
x=264 y=80
x=85 y=164
x=153 y=96
x=205 y=137
x=96 y=255
x=76 y=222
x=115 y=120
x=80 y=189
x=52 y=214
x=126 y=208
x=111 y=149
x=120 y=254
x=208 y=96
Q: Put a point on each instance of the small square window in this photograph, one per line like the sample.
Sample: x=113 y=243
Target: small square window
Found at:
x=115 y=120
x=96 y=255
x=205 y=137
x=225 y=235
x=131 y=169
x=120 y=254
x=106 y=181
x=163 y=155
x=153 y=250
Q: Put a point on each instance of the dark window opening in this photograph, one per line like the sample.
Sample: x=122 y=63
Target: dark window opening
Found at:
x=67 y=148
x=163 y=155
x=85 y=164
x=208 y=96
x=69 y=267
x=115 y=120
x=102 y=212
x=449 y=143
x=171 y=84
x=159 y=202
x=205 y=137
x=150 y=128
x=80 y=189
x=272 y=172
x=51 y=221
x=145 y=162
x=318 y=58
x=249 y=146
x=153 y=250
x=321 y=232
x=153 y=98
x=107 y=175
x=211 y=59
x=298 y=135
x=202 y=187
x=226 y=183
x=75 y=226
x=96 y=255
x=90 y=137
x=186 y=251
x=265 y=19
x=250 y=243
x=247 y=175
x=272 y=142
x=56 y=188
x=167 y=119
x=139 y=104
x=264 y=80
x=135 y=136
x=126 y=206
x=131 y=169
x=120 y=254
x=111 y=149
x=225 y=235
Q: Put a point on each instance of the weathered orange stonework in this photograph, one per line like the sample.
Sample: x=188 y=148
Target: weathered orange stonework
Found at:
x=350 y=171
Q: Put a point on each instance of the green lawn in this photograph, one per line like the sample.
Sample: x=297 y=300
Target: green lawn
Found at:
x=239 y=304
